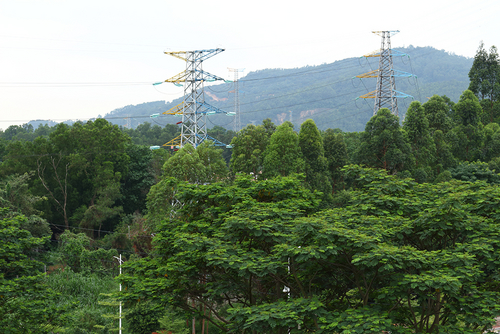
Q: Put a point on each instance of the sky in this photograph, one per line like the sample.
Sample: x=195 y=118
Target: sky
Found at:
x=67 y=59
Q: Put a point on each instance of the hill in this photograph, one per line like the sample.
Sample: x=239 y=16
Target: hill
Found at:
x=326 y=93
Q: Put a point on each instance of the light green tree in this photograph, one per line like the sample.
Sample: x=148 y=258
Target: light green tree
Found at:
x=248 y=150
x=204 y=164
x=283 y=155
x=400 y=257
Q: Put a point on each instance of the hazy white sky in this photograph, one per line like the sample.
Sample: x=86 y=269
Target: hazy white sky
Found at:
x=67 y=59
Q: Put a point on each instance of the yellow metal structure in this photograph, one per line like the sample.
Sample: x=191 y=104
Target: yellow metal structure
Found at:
x=181 y=77
x=375 y=53
x=177 y=110
x=174 y=142
x=370 y=95
x=177 y=54
x=371 y=74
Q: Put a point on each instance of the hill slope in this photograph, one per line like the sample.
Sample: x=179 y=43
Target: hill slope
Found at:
x=326 y=93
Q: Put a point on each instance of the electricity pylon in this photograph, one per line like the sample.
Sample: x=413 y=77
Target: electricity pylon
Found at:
x=236 y=91
x=193 y=108
x=385 y=95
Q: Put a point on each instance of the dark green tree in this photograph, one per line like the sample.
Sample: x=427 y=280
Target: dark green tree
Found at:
x=138 y=180
x=26 y=303
x=468 y=109
x=475 y=171
x=484 y=74
x=417 y=134
x=383 y=144
x=313 y=152
x=491 y=145
x=437 y=112
x=336 y=156
x=444 y=157
x=467 y=137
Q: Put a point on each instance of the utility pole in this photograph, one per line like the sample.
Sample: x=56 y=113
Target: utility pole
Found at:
x=193 y=108
x=120 y=261
x=385 y=95
x=236 y=91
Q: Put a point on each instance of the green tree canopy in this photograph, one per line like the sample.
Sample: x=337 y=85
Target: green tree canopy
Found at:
x=336 y=156
x=283 y=155
x=416 y=129
x=437 y=112
x=248 y=150
x=484 y=74
x=313 y=152
x=204 y=164
x=400 y=257
x=26 y=303
x=383 y=144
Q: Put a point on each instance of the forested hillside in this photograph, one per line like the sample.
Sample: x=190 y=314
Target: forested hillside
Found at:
x=294 y=230
x=326 y=93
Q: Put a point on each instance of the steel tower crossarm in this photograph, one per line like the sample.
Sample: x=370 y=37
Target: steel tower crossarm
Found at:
x=199 y=55
x=193 y=108
x=385 y=94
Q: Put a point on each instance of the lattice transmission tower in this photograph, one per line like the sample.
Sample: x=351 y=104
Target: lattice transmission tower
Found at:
x=385 y=95
x=193 y=108
x=236 y=91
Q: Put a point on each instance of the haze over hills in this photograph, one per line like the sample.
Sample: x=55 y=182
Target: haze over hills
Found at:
x=326 y=93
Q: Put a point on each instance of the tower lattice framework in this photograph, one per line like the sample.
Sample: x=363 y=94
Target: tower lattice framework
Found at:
x=385 y=95
x=236 y=91
x=193 y=108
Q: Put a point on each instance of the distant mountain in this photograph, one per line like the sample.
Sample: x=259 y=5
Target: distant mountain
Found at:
x=326 y=93
x=38 y=122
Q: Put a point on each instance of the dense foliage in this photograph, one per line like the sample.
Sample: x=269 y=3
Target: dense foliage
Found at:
x=391 y=229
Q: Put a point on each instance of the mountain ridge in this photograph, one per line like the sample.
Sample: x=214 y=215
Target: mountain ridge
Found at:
x=326 y=93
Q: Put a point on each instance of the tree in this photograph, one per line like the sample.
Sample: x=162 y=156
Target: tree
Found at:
x=282 y=155
x=416 y=129
x=467 y=137
x=248 y=150
x=400 y=257
x=437 y=112
x=484 y=74
x=468 y=109
x=26 y=303
x=444 y=157
x=78 y=168
x=383 y=145
x=224 y=136
x=17 y=197
x=101 y=162
x=237 y=228
x=139 y=178
x=475 y=171
x=313 y=152
x=336 y=156
x=491 y=146
x=204 y=164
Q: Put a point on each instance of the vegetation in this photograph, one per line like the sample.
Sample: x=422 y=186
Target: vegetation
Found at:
x=293 y=230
